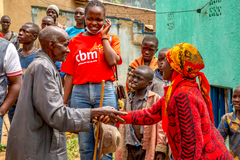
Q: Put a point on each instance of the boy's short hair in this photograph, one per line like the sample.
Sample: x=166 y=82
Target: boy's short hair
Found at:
x=151 y=38
x=149 y=74
x=166 y=49
x=35 y=27
x=5 y=16
x=48 y=17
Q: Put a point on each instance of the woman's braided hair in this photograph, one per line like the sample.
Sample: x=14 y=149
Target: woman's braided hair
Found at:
x=94 y=3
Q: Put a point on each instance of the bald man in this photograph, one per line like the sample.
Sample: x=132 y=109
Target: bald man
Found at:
x=40 y=121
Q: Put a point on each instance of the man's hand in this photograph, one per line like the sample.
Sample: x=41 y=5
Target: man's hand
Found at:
x=107 y=115
x=160 y=156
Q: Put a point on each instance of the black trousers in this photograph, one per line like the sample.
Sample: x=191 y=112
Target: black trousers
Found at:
x=135 y=153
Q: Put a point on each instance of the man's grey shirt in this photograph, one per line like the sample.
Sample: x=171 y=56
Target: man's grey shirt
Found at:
x=40 y=120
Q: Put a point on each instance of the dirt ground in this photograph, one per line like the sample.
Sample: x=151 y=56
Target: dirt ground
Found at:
x=5 y=136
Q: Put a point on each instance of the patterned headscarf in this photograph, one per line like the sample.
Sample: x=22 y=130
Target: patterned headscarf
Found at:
x=186 y=61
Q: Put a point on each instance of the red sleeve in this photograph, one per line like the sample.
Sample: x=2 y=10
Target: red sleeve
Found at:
x=68 y=66
x=1 y=35
x=116 y=47
x=188 y=125
x=146 y=116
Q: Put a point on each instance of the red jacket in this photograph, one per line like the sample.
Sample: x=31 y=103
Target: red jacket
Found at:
x=191 y=134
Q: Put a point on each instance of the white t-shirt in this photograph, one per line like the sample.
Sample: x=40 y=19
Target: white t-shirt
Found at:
x=12 y=64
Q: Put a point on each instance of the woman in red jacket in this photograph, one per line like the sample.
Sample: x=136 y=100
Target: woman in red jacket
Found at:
x=185 y=109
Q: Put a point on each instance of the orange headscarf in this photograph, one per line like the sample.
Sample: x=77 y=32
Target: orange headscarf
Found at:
x=186 y=61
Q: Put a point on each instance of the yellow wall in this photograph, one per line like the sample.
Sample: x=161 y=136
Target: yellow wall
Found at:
x=20 y=10
x=1 y=8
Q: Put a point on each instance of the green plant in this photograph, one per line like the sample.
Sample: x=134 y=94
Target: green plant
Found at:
x=72 y=147
x=2 y=147
x=118 y=2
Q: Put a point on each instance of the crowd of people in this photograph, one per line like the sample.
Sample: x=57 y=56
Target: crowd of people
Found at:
x=52 y=85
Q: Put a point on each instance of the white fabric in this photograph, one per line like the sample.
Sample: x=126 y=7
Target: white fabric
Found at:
x=11 y=60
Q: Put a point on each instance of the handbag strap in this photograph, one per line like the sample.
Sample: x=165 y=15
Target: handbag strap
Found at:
x=115 y=73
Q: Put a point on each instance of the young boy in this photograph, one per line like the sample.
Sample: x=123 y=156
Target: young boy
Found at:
x=6 y=33
x=142 y=142
x=46 y=21
x=158 y=82
x=79 y=17
x=230 y=125
x=149 y=48
x=28 y=33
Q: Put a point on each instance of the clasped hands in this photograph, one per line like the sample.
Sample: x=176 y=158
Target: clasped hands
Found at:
x=107 y=115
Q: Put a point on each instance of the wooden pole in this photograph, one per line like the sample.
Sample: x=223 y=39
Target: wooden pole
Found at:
x=96 y=141
x=5 y=125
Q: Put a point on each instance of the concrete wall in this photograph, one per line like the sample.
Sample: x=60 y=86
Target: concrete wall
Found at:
x=130 y=33
x=65 y=17
x=146 y=16
x=20 y=11
x=1 y=8
x=214 y=32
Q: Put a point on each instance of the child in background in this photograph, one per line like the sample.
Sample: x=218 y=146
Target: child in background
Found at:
x=90 y=61
x=149 y=48
x=46 y=21
x=157 y=86
x=79 y=16
x=28 y=33
x=6 y=33
x=230 y=125
x=142 y=142
x=158 y=82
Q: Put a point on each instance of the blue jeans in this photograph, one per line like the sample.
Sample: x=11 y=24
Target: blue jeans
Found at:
x=88 y=96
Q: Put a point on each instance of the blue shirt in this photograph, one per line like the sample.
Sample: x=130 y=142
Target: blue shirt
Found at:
x=72 y=31
x=58 y=65
x=230 y=126
x=25 y=60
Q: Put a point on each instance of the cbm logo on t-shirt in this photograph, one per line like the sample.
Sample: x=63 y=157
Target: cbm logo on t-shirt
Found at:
x=88 y=57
